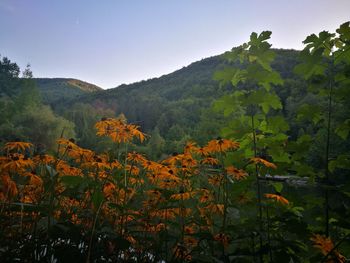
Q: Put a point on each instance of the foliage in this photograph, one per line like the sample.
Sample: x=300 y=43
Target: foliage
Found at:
x=273 y=188
x=23 y=116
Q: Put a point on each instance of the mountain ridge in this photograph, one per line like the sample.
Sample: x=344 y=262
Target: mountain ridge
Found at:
x=55 y=89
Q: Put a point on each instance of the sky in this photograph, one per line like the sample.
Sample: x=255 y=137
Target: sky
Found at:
x=113 y=42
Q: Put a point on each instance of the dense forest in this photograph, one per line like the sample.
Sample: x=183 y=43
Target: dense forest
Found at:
x=240 y=157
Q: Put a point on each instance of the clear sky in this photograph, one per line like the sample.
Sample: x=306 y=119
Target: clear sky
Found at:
x=110 y=42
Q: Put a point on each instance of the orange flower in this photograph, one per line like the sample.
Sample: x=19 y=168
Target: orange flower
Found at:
x=136 y=181
x=221 y=145
x=223 y=239
x=190 y=241
x=17 y=146
x=44 y=159
x=210 y=160
x=325 y=244
x=187 y=160
x=116 y=164
x=278 y=198
x=214 y=208
x=131 y=239
x=190 y=147
x=172 y=160
x=118 y=130
x=151 y=166
x=205 y=195
x=168 y=213
x=237 y=174
x=204 y=151
x=35 y=180
x=190 y=229
x=182 y=252
x=215 y=180
x=98 y=161
x=17 y=162
x=109 y=189
x=134 y=170
x=65 y=169
x=182 y=211
x=181 y=196
x=263 y=162
x=154 y=228
x=9 y=187
x=136 y=157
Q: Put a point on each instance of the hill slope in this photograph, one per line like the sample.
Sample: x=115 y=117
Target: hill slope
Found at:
x=55 y=89
x=188 y=91
x=175 y=107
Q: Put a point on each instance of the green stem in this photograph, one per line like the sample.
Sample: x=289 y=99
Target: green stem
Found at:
x=92 y=233
x=258 y=191
x=268 y=233
x=327 y=153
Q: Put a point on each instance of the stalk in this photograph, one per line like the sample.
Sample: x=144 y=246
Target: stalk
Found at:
x=258 y=191
x=327 y=153
x=268 y=233
x=92 y=232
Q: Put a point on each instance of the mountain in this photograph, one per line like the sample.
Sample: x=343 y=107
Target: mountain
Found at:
x=53 y=90
x=180 y=97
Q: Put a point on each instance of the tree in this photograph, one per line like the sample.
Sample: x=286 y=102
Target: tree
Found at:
x=9 y=73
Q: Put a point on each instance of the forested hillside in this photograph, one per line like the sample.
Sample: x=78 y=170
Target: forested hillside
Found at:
x=53 y=90
x=178 y=106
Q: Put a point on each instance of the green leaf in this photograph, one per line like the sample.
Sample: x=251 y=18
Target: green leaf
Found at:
x=51 y=171
x=72 y=181
x=312 y=64
x=227 y=104
x=263 y=77
x=278 y=187
x=225 y=76
x=265 y=59
x=97 y=198
x=309 y=112
x=344 y=31
x=343 y=129
x=271 y=100
x=239 y=76
x=278 y=124
x=265 y=35
x=342 y=161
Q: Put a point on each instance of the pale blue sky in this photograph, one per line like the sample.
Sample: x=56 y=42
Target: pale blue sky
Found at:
x=110 y=42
